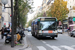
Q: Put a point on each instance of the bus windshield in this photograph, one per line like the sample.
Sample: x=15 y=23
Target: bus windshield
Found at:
x=47 y=25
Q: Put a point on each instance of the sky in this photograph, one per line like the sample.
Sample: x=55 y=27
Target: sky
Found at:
x=35 y=5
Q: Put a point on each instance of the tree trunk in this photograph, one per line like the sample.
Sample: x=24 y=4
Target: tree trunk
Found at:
x=15 y=15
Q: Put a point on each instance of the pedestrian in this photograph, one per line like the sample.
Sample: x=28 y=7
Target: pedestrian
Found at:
x=2 y=33
x=69 y=30
x=6 y=31
x=19 y=32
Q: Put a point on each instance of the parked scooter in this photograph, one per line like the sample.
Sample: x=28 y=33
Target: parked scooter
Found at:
x=20 y=35
x=7 y=34
x=8 y=39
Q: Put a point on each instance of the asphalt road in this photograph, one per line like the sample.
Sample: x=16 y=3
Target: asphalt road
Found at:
x=62 y=42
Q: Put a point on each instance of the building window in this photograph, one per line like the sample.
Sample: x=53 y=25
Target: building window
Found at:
x=48 y=2
x=70 y=7
x=3 y=10
x=44 y=1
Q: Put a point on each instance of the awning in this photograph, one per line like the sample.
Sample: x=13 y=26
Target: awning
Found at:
x=72 y=25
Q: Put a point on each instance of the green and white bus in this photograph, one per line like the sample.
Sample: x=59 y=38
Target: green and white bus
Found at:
x=44 y=27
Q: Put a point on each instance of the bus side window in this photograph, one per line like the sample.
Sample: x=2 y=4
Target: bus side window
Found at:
x=38 y=23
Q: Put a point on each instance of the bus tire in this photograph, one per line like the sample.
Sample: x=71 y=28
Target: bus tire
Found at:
x=53 y=37
x=35 y=34
x=32 y=34
x=38 y=36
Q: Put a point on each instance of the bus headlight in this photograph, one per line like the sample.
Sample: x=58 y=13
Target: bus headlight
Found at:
x=55 y=32
x=40 y=31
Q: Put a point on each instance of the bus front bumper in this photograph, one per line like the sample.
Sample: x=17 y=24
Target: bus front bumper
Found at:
x=48 y=34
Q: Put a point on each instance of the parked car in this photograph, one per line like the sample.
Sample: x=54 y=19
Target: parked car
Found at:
x=29 y=29
x=72 y=33
x=26 y=29
x=59 y=30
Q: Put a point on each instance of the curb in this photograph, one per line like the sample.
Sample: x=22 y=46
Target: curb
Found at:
x=25 y=45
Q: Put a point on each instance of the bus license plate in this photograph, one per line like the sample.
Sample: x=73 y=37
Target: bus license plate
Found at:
x=47 y=36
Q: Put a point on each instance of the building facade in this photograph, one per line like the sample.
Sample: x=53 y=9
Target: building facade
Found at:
x=71 y=15
x=38 y=11
x=6 y=12
x=46 y=4
x=70 y=4
x=0 y=14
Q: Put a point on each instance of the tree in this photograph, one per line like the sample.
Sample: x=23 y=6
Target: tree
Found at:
x=29 y=23
x=15 y=15
x=21 y=8
x=24 y=8
x=40 y=14
x=58 y=9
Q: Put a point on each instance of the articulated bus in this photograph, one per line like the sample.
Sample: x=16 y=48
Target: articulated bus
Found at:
x=44 y=27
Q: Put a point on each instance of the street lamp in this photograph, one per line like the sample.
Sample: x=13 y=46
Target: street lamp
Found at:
x=4 y=2
x=12 y=32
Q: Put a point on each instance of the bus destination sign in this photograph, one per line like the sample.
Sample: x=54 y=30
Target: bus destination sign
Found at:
x=47 y=19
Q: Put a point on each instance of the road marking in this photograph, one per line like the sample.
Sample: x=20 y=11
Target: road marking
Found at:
x=73 y=46
x=28 y=49
x=66 y=34
x=53 y=47
x=29 y=34
x=41 y=48
x=43 y=41
x=1 y=44
x=67 y=47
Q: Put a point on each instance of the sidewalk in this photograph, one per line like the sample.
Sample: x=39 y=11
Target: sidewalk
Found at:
x=4 y=46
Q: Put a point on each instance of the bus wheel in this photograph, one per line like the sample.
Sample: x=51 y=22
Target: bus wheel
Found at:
x=35 y=34
x=32 y=35
x=38 y=37
x=53 y=37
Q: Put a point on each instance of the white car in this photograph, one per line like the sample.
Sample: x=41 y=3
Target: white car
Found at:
x=29 y=29
x=72 y=33
x=60 y=31
x=26 y=29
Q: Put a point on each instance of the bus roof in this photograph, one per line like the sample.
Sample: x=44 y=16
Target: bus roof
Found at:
x=46 y=17
x=42 y=17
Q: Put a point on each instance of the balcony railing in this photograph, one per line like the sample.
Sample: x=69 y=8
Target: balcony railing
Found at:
x=48 y=2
